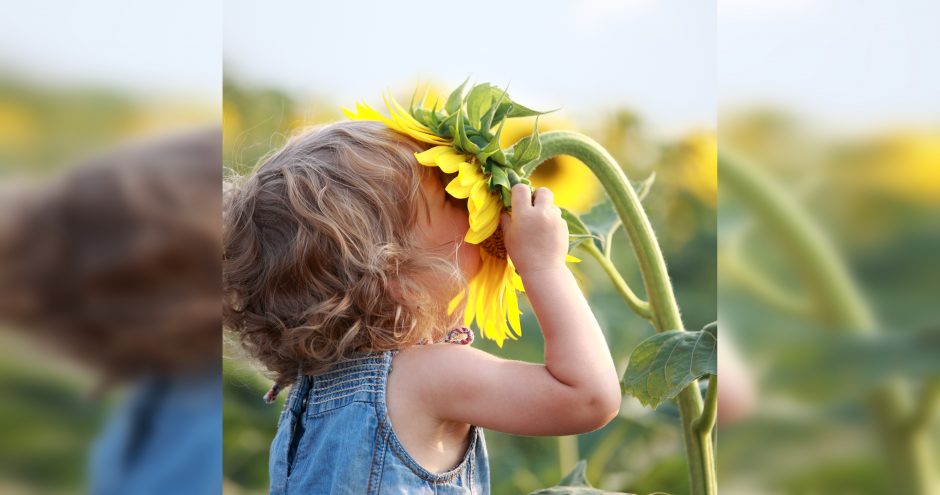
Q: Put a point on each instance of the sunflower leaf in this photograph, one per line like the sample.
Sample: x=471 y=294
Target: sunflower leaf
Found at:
x=486 y=123
x=517 y=110
x=424 y=116
x=478 y=102
x=527 y=149
x=492 y=150
x=664 y=364
x=578 y=232
x=602 y=221
x=460 y=134
x=500 y=180
x=455 y=98
x=643 y=187
x=447 y=127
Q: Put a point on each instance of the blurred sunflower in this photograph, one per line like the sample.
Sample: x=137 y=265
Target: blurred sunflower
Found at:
x=490 y=296
x=573 y=184
x=698 y=162
x=907 y=166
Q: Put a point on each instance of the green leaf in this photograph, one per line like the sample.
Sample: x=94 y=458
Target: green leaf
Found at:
x=425 y=117
x=602 y=221
x=526 y=150
x=447 y=127
x=664 y=364
x=577 y=231
x=479 y=101
x=500 y=177
x=455 y=98
x=461 y=140
x=643 y=187
x=517 y=110
x=819 y=366
x=575 y=483
x=492 y=149
x=486 y=123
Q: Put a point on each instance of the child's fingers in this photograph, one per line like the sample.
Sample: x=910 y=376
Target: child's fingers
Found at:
x=521 y=197
x=504 y=222
x=544 y=198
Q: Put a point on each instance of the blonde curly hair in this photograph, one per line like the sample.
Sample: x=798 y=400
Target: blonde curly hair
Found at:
x=321 y=252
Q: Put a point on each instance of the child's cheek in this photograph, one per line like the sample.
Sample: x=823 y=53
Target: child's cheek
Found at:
x=469 y=259
x=468 y=254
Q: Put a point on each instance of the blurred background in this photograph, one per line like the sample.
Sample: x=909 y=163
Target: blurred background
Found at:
x=829 y=172
x=825 y=235
x=637 y=76
x=107 y=111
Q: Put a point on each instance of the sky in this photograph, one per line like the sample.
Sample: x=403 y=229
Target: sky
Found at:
x=844 y=62
x=167 y=49
x=847 y=64
x=655 y=57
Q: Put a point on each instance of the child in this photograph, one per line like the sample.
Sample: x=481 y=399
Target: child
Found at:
x=341 y=255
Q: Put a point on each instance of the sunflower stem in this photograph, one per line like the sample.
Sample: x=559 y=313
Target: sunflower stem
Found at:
x=639 y=306
x=706 y=422
x=664 y=311
x=840 y=306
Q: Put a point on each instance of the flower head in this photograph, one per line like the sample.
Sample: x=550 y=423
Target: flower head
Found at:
x=464 y=132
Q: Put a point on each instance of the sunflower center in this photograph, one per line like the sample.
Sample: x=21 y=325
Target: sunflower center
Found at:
x=494 y=244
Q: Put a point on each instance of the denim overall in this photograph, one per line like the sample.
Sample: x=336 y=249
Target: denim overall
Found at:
x=334 y=437
x=164 y=437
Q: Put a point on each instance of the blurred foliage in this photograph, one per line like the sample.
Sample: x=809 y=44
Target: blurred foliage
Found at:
x=640 y=451
x=876 y=199
x=45 y=127
x=48 y=417
x=47 y=421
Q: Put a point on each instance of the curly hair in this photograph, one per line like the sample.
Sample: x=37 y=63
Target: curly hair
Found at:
x=321 y=255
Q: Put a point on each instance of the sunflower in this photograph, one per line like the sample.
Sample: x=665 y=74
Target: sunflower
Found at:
x=463 y=142
x=573 y=184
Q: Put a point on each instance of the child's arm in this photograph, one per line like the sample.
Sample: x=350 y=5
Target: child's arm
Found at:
x=576 y=390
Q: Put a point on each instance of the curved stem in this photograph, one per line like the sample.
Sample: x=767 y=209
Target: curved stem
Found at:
x=839 y=305
x=664 y=311
x=733 y=267
x=638 y=305
x=706 y=422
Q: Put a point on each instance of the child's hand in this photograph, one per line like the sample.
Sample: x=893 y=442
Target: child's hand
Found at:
x=577 y=389
x=536 y=236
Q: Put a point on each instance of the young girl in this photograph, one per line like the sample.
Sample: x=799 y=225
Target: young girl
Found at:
x=341 y=255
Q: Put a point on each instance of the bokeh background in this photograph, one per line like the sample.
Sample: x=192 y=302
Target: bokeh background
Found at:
x=636 y=76
x=833 y=102
x=834 y=106
x=78 y=81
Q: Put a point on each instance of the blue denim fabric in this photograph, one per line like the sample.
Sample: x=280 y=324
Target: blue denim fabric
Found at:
x=165 y=437
x=334 y=437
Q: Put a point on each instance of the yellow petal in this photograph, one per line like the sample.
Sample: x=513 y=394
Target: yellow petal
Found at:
x=429 y=156
x=407 y=124
x=480 y=217
x=512 y=303
x=517 y=282
x=450 y=161
x=470 y=311
x=476 y=236
x=479 y=194
x=470 y=174
x=452 y=305
x=572 y=259
x=456 y=190
x=512 y=308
